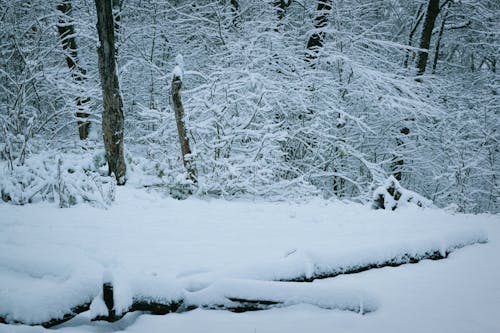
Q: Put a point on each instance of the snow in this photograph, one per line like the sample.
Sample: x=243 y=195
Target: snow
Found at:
x=286 y=293
x=178 y=71
x=206 y=252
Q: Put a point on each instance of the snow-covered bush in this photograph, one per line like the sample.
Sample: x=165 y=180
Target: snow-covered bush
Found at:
x=66 y=179
x=392 y=195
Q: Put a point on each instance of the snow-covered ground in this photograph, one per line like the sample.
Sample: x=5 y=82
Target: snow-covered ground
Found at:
x=203 y=252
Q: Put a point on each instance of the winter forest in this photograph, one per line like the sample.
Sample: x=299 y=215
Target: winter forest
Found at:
x=265 y=144
x=280 y=99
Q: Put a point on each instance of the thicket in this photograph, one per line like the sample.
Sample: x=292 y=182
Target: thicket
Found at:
x=268 y=113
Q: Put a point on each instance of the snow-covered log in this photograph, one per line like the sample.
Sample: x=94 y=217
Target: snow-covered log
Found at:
x=244 y=294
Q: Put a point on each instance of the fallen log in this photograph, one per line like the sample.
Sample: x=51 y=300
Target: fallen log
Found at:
x=244 y=305
x=391 y=262
x=155 y=307
x=55 y=321
x=237 y=304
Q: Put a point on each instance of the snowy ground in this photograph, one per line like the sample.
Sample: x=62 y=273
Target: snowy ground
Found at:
x=203 y=251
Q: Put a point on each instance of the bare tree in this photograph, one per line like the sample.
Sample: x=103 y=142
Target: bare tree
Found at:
x=281 y=7
x=414 y=26
x=235 y=8
x=315 y=41
x=425 y=38
x=112 y=117
x=66 y=30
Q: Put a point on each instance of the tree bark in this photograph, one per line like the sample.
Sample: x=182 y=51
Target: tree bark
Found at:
x=315 y=42
x=181 y=127
x=281 y=6
x=397 y=161
x=425 y=39
x=112 y=117
x=67 y=34
x=235 y=8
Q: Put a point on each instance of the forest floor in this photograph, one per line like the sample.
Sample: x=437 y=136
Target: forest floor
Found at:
x=211 y=253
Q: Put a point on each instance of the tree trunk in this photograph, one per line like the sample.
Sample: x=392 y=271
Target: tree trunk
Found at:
x=315 y=42
x=67 y=34
x=181 y=127
x=112 y=117
x=438 y=43
x=235 y=8
x=397 y=164
x=281 y=6
x=425 y=39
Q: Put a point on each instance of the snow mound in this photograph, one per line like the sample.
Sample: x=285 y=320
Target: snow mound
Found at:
x=38 y=290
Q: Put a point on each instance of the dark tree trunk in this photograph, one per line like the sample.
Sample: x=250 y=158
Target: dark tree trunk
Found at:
x=112 y=117
x=315 y=42
x=235 y=8
x=397 y=161
x=181 y=127
x=66 y=31
x=425 y=39
x=281 y=6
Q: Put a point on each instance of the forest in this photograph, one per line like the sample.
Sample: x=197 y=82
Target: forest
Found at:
x=280 y=99
x=184 y=165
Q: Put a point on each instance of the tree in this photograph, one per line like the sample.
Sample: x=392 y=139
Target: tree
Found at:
x=413 y=28
x=425 y=38
x=179 y=118
x=66 y=30
x=112 y=117
x=235 y=8
x=315 y=41
x=281 y=7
